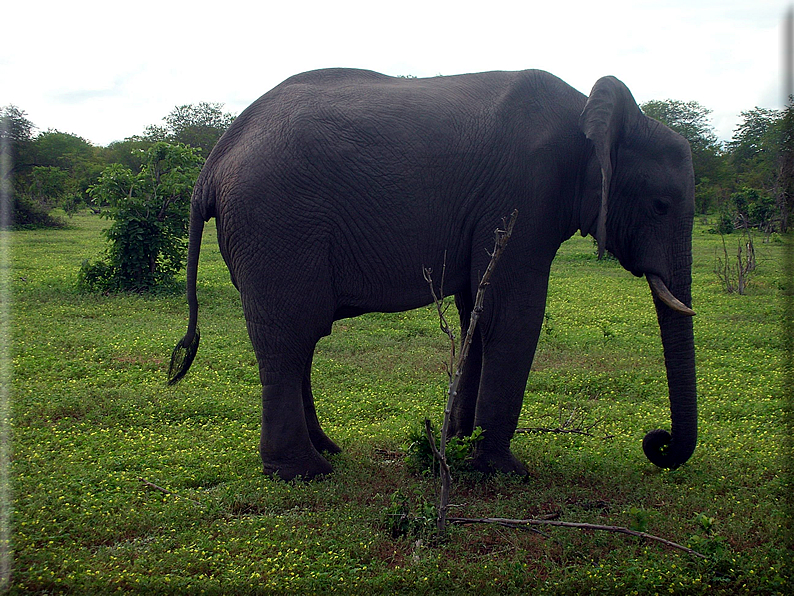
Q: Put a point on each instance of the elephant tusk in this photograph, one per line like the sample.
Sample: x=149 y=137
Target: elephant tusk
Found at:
x=662 y=293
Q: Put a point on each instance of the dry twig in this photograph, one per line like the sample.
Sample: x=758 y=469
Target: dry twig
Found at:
x=501 y=236
x=519 y=523
x=575 y=424
x=168 y=492
x=735 y=278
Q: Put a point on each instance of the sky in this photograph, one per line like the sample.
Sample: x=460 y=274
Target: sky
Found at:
x=106 y=70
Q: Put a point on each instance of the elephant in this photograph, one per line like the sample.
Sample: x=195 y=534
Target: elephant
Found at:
x=335 y=190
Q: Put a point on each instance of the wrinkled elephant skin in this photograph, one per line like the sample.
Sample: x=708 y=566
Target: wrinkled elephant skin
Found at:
x=335 y=189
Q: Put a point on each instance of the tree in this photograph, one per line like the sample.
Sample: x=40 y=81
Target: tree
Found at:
x=49 y=169
x=17 y=149
x=17 y=127
x=784 y=186
x=689 y=119
x=17 y=131
x=752 y=136
x=49 y=185
x=198 y=125
x=72 y=154
x=755 y=147
x=131 y=152
x=150 y=212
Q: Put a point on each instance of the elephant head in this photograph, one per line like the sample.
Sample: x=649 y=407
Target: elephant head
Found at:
x=645 y=219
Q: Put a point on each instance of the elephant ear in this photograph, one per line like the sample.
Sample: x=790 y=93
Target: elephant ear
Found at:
x=609 y=116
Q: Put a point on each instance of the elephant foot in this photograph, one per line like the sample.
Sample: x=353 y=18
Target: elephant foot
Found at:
x=488 y=463
x=459 y=429
x=306 y=468
x=322 y=443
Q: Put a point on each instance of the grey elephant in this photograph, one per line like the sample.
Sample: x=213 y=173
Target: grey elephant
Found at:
x=334 y=190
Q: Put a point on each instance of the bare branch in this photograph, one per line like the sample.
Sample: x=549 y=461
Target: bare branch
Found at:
x=735 y=278
x=574 y=424
x=168 y=492
x=456 y=366
x=518 y=523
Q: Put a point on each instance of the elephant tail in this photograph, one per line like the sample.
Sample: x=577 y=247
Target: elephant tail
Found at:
x=185 y=350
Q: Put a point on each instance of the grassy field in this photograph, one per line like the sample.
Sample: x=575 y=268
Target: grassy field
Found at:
x=92 y=416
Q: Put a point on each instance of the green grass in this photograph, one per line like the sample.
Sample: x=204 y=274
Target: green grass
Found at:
x=92 y=415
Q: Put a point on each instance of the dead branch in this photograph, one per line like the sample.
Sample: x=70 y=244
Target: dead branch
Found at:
x=501 y=236
x=438 y=300
x=168 y=492
x=735 y=278
x=575 y=424
x=519 y=523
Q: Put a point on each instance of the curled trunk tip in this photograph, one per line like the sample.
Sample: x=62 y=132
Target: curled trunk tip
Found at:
x=663 y=451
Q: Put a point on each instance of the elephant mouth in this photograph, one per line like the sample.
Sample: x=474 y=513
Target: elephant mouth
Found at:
x=661 y=292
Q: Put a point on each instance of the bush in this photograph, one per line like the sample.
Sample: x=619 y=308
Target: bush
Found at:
x=725 y=223
x=150 y=212
x=756 y=207
x=71 y=204
x=30 y=214
x=420 y=457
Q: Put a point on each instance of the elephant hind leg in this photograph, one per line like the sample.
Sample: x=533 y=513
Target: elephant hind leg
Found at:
x=318 y=438
x=285 y=444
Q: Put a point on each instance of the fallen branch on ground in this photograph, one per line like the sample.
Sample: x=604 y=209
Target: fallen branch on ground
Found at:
x=168 y=492
x=574 y=424
x=519 y=523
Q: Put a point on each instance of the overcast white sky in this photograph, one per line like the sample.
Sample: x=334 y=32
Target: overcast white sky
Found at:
x=105 y=70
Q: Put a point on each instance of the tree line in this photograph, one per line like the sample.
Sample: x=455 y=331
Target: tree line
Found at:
x=53 y=169
x=143 y=183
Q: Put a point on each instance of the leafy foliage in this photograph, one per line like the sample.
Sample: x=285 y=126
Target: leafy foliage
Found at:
x=689 y=119
x=150 y=213
x=198 y=125
x=54 y=169
x=29 y=215
x=51 y=169
x=754 y=147
x=410 y=517
x=459 y=451
x=748 y=207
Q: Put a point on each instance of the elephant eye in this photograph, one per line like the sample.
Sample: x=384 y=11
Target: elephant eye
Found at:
x=661 y=207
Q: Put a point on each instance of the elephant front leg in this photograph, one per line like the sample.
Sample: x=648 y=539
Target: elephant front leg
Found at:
x=498 y=408
x=318 y=438
x=509 y=344
x=465 y=404
x=284 y=444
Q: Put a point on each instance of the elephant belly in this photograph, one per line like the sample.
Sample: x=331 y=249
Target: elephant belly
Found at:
x=371 y=284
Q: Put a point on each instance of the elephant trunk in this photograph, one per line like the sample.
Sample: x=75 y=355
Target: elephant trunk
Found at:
x=670 y=450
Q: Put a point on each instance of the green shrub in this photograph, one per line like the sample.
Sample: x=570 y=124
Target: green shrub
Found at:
x=724 y=223
x=30 y=214
x=459 y=450
x=72 y=203
x=150 y=212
